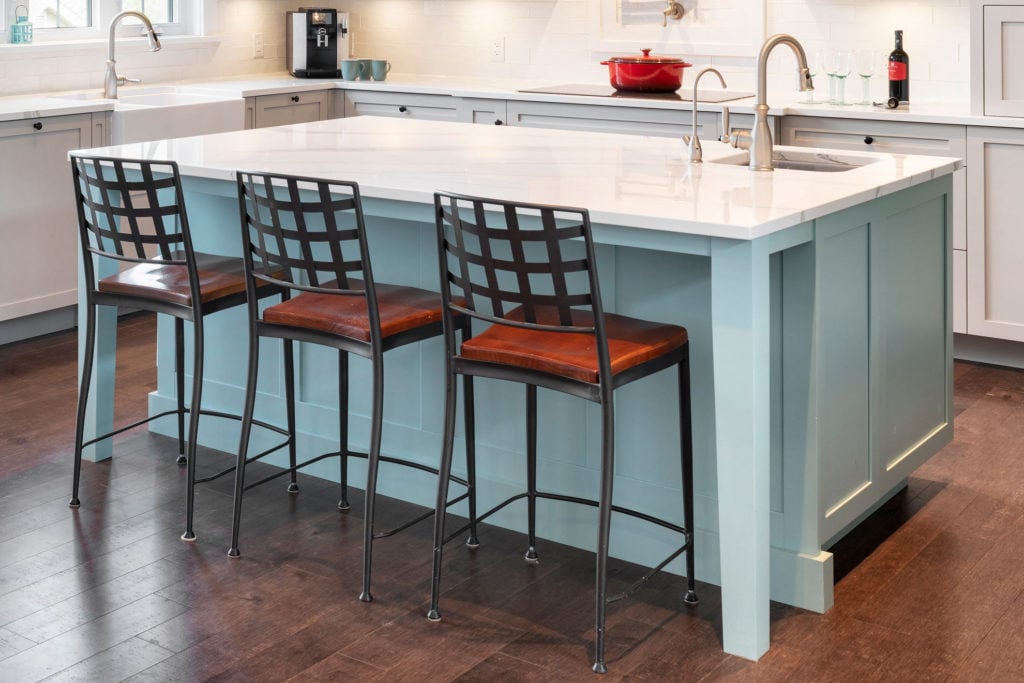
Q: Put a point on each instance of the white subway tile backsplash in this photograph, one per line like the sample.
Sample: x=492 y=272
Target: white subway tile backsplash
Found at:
x=544 y=39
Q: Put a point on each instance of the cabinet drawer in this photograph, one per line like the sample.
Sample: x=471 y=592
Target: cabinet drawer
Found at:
x=611 y=119
x=890 y=137
x=286 y=108
x=412 y=105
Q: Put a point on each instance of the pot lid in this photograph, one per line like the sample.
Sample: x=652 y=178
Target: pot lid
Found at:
x=646 y=58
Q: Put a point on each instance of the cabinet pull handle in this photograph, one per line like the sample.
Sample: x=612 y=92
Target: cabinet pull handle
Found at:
x=38 y=125
x=499 y=122
x=295 y=98
x=868 y=139
x=402 y=108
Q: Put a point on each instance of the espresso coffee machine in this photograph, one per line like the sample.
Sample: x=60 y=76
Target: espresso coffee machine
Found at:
x=316 y=39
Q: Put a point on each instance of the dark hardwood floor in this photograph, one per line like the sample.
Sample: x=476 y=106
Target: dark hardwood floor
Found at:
x=929 y=588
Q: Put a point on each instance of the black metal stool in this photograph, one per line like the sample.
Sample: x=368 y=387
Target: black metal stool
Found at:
x=306 y=238
x=518 y=268
x=133 y=211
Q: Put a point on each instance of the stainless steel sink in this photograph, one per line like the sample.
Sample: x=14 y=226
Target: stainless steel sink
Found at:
x=805 y=160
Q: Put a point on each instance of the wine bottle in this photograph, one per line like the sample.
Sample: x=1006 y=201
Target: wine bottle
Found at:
x=899 y=72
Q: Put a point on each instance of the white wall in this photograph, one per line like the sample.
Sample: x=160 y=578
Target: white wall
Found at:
x=544 y=40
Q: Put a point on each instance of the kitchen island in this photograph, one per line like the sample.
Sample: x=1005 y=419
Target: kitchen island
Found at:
x=818 y=306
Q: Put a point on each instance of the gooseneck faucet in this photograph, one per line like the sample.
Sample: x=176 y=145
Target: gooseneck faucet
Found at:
x=760 y=138
x=112 y=80
x=695 y=153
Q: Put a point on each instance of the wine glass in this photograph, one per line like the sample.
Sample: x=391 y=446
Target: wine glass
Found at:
x=841 y=68
x=816 y=68
x=866 y=64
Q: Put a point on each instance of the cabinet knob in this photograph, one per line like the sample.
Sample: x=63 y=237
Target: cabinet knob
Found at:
x=295 y=98
x=402 y=108
x=868 y=139
x=499 y=122
x=38 y=125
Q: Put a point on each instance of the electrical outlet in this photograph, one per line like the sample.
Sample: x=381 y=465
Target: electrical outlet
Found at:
x=257 y=46
x=498 y=49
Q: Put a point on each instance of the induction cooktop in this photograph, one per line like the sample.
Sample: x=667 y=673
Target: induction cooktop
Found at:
x=683 y=95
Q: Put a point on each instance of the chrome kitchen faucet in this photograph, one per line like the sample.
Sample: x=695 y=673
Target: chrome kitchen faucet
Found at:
x=695 y=155
x=112 y=80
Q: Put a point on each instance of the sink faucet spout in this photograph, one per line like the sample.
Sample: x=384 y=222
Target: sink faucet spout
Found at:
x=761 y=135
x=111 y=80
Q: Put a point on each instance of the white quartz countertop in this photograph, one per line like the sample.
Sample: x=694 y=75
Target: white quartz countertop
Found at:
x=782 y=102
x=623 y=180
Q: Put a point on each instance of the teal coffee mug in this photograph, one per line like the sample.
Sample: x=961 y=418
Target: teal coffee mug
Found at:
x=364 y=73
x=380 y=69
x=351 y=69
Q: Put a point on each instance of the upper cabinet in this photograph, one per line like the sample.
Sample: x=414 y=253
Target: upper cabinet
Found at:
x=997 y=57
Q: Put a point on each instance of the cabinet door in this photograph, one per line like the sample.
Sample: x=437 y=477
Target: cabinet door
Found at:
x=285 y=108
x=38 y=234
x=410 y=105
x=895 y=137
x=1003 y=55
x=995 y=238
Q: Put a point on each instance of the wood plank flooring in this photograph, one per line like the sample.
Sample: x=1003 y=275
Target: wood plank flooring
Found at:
x=928 y=588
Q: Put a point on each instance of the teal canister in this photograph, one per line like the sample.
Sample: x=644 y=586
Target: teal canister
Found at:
x=21 y=29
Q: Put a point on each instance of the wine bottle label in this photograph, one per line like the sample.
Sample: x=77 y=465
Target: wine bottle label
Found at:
x=897 y=71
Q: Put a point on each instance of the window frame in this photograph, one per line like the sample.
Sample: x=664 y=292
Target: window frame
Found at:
x=191 y=22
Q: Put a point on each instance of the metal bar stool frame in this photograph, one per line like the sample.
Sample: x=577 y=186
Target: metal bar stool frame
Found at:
x=126 y=206
x=281 y=219
x=477 y=275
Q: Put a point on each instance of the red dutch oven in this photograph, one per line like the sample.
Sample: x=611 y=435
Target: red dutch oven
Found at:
x=645 y=73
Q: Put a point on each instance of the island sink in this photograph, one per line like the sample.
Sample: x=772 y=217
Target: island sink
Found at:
x=805 y=160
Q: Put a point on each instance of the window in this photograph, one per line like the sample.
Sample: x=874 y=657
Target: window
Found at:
x=83 y=19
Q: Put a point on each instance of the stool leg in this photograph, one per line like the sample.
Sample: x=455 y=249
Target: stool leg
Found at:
x=686 y=446
x=531 y=472
x=372 y=465
x=243 y=442
x=444 y=472
x=289 y=392
x=193 y=423
x=179 y=378
x=604 y=522
x=83 y=399
x=469 y=419
x=343 y=503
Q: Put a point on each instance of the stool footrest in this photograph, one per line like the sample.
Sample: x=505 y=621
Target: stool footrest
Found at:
x=416 y=520
x=642 y=581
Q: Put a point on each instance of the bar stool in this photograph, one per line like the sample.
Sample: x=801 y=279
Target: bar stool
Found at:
x=133 y=211
x=312 y=231
x=518 y=268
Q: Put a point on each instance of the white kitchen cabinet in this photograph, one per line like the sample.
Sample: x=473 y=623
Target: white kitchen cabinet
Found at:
x=38 y=233
x=995 y=237
x=615 y=119
x=997 y=57
x=281 y=109
x=399 y=104
x=896 y=137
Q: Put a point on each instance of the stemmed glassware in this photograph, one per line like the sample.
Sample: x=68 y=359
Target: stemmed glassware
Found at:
x=866 y=65
x=817 y=68
x=841 y=66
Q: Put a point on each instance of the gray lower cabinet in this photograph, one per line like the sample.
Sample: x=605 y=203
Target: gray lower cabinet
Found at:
x=620 y=119
x=896 y=137
x=398 y=104
x=263 y=111
x=38 y=234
